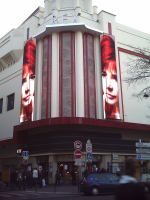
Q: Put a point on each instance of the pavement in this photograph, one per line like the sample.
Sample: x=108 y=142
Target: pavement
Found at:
x=62 y=189
x=68 y=189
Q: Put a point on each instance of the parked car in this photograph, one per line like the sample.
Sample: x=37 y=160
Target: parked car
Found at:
x=144 y=180
x=99 y=183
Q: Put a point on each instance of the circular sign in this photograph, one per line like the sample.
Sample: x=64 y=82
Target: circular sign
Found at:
x=77 y=144
x=25 y=162
x=77 y=153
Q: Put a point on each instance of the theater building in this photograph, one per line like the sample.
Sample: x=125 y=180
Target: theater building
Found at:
x=62 y=79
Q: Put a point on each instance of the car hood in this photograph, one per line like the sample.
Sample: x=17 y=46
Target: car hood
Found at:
x=128 y=179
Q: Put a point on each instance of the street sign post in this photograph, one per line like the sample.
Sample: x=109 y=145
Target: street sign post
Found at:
x=78 y=144
x=88 y=148
x=89 y=156
x=25 y=162
x=142 y=144
x=77 y=154
x=25 y=154
x=143 y=157
x=78 y=161
x=143 y=150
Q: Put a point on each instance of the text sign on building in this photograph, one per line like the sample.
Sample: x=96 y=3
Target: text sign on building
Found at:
x=141 y=144
x=115 y=156
x=143 y=151
x=143 y=157
x=78 y=144
x=88 y=148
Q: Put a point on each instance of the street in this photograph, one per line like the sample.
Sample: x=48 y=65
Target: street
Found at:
x=22 y=195
x=62 y=192
x=32 y=195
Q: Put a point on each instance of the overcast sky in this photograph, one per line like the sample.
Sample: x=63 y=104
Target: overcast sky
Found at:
x=132 y=13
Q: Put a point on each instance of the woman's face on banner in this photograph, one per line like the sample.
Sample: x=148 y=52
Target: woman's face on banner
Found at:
x=110 y=85
x=27 y=88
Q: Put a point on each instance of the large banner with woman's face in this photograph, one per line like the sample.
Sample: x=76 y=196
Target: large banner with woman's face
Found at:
x=109 y=77
x=28 y=80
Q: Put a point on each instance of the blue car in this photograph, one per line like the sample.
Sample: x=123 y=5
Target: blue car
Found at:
x=99 y=183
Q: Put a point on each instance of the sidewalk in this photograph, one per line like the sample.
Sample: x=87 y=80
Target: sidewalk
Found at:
x=62 y=189
x=57 y=189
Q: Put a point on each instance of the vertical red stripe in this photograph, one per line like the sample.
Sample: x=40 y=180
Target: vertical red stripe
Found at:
x=51 y=77
x=42 y=78
x=47 y=77
x=72 y=110
x=84 y=74
x=74 y=78
x=61 y=74
x=109 y=29
x=94 y=76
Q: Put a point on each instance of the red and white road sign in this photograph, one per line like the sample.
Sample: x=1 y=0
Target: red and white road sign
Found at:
x=88 y=148
x=78 y=144
x=77 y=153
x=25 y=162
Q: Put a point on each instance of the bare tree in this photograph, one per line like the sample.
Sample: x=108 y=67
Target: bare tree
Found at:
x=139 y=71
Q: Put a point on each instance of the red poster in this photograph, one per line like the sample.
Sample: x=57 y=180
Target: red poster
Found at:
x=28 y=81
x=109 y=77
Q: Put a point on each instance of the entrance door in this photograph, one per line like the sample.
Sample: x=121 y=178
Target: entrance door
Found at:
x=65 y=169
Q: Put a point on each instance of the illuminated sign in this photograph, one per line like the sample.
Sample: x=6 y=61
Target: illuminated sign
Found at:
x=28 y=81
x=109 y=77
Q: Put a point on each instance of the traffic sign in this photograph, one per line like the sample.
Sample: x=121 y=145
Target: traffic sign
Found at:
x=25 y=162
x=25 y=155
x=77 y=161
x=89 y=156
x=142 y=144
x=143 y=151
x=143 y=157
x=88 y=148
x=77 y=153
x=78 y=144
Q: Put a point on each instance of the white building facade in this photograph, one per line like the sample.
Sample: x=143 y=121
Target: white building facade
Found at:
x=68 y=97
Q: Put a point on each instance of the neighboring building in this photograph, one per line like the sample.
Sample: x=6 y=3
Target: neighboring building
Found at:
x=68 y=102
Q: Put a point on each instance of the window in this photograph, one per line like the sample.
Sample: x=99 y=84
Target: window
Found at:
x=101 y=177
x=10 y=105
x=1 y=105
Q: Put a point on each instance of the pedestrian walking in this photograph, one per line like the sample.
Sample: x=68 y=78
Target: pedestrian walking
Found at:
x=20 y=178
x=86 y=172
x=57 y=178
x=35 y=176
x=129 y=188
x=29 y=178
x=73 y=174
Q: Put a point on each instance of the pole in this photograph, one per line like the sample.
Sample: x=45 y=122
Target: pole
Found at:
x=78 y=181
